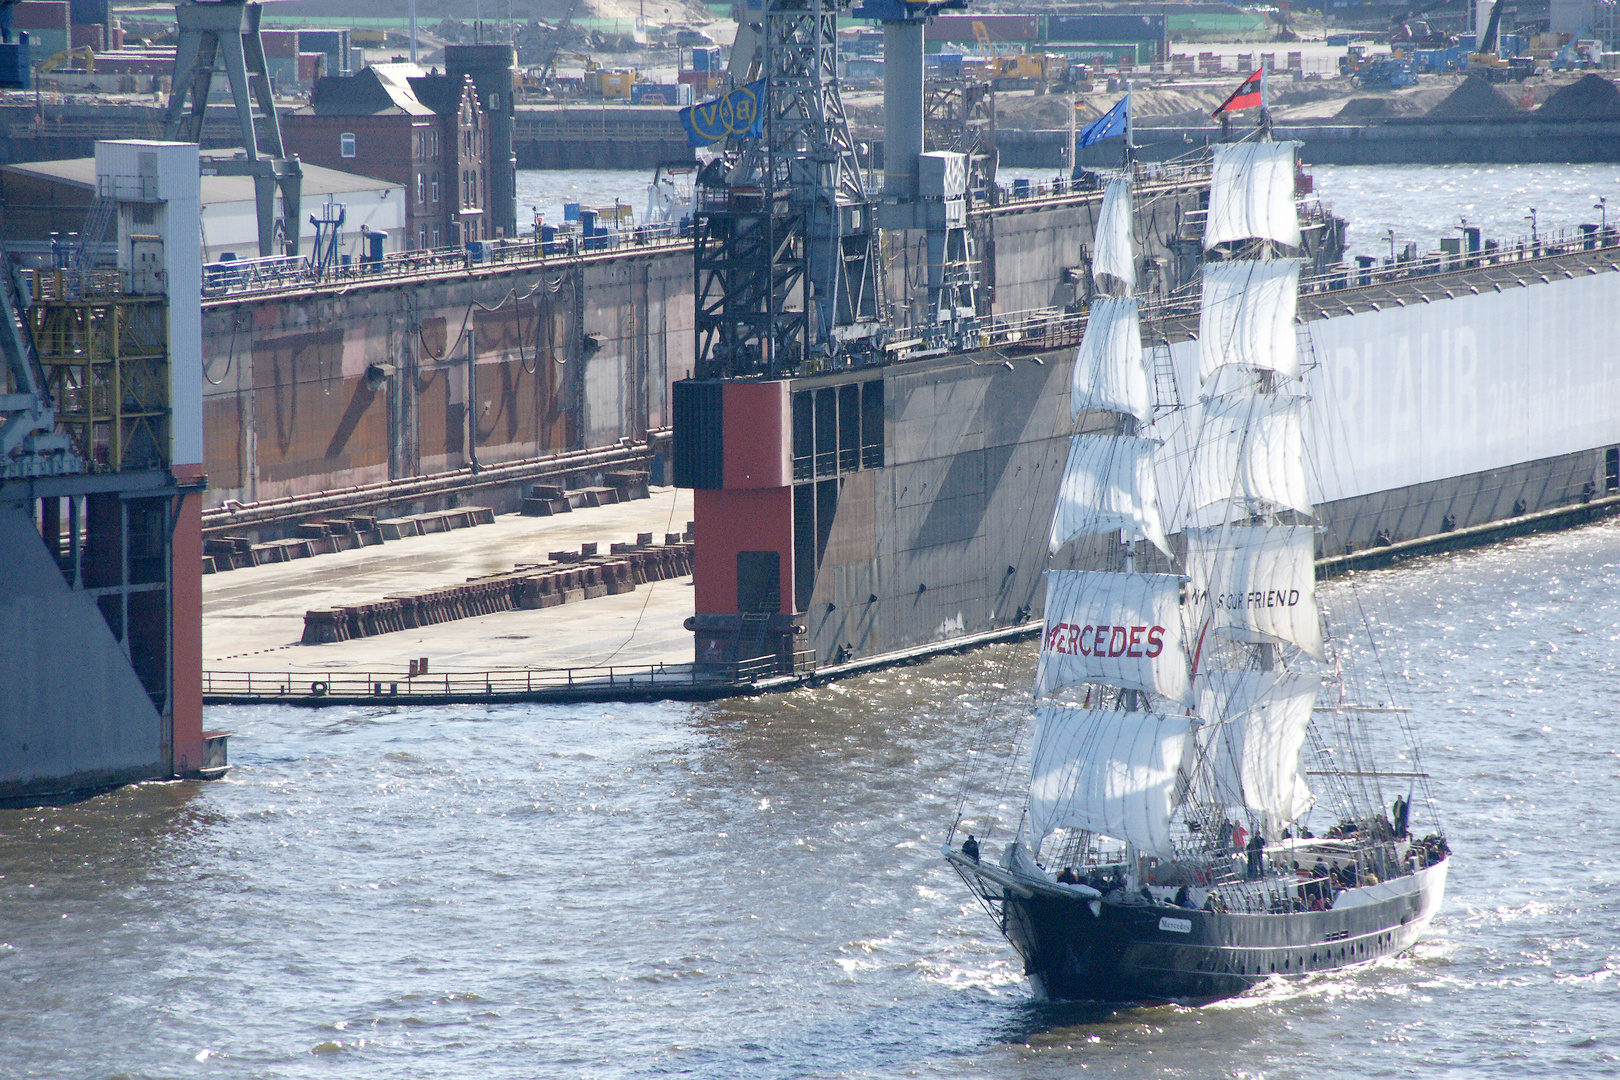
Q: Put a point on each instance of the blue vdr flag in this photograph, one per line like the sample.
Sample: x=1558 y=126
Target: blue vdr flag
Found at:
x=1110 y=124
x=740 y=112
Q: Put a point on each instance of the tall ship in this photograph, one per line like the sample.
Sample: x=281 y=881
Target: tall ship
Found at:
x=1191 y=718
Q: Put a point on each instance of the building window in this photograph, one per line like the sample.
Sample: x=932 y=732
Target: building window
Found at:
x=346 y=144
x=435 y=236
x=423 y=241
x=435 y=187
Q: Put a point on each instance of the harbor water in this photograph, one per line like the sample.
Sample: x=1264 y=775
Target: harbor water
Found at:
x=753 y=888
x=1421 y=203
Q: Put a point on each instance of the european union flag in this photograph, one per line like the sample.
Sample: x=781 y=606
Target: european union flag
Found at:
x=740 y=112
x=1109 y=124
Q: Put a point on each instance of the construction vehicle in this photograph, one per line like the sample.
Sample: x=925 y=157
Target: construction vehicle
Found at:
x=1577 y=53
x=547 y=68
x=65 y=57
x=1383 y=71
x=542 y=79
x=1411 y=34
x=1013 y=70
x=1284 y=19
x=586 y=62
x=1486 y=60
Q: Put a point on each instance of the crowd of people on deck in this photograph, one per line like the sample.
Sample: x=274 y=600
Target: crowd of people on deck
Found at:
x=1316 y=887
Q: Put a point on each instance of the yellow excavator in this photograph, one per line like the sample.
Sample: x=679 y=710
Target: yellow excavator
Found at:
x=1012 y=65
x=67 y=56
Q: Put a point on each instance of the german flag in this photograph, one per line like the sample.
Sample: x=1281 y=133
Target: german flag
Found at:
x=1246 y=96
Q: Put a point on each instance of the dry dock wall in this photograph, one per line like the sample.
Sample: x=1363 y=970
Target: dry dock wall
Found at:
x=949 y=538
x=367 y=381
x=314 y=390
x=1422 y=419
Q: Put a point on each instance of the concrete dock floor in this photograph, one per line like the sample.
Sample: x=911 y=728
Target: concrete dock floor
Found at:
x=253 y=618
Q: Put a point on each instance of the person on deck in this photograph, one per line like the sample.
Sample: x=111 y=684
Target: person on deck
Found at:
x=1256 y=848
x=1067 y=876
x=970 y=848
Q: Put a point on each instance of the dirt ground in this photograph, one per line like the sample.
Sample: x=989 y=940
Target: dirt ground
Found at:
x=1189 y=101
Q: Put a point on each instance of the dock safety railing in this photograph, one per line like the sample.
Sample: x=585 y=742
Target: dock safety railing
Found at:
x=1037 y=329
x=222 y=280
x=583 y=683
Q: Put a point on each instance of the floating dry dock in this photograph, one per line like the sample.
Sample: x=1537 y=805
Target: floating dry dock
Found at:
x=629 y=646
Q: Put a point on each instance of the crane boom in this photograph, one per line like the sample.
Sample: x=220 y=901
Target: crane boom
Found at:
x=1487 y=44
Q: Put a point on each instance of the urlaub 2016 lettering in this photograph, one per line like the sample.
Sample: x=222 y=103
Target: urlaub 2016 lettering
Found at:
x=1106 y=641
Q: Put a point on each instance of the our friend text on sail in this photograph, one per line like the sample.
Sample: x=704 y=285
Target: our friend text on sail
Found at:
x=1256 y=598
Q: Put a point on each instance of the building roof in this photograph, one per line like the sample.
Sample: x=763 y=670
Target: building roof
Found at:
x=442 y=93
x=381 y=89
x=81 y=173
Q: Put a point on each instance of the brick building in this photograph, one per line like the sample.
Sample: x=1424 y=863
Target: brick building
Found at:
x=422 y=130
x=463 y=161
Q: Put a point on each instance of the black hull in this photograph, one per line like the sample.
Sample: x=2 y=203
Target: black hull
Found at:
x=1076 y=949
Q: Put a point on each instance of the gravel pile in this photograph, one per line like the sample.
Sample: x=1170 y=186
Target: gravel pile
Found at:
x=1474 y=99
x=1590 y=98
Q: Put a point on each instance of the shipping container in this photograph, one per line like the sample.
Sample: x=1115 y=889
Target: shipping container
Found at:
x=1107 y=52
x=660 y=94
x=1013 y=29
x=1095 y=28
x=280 y=43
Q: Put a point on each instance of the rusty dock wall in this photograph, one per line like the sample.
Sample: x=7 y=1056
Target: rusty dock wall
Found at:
x=369 y=379
x=366 y=381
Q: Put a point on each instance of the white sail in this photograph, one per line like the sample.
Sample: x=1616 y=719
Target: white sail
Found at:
x=1113 y=255
x=1120 y=629
x=1258 y=583
x=1108 y=484
x=1247 y=318
x=1254 y=726
x=1251 y=194
x=1107 y=771
x=1251 y=446
x=1108 y=368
